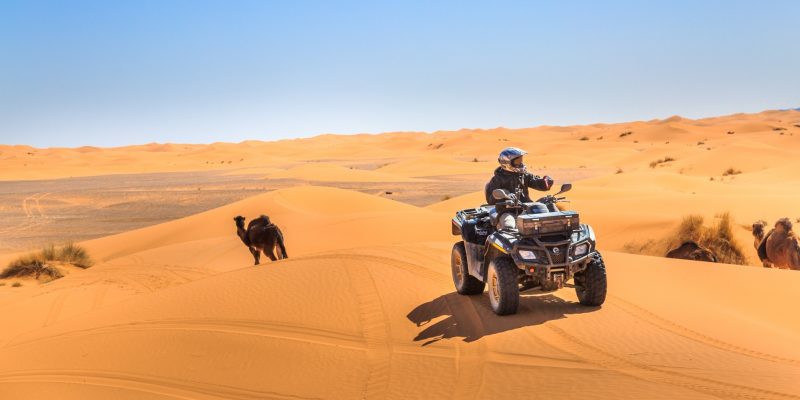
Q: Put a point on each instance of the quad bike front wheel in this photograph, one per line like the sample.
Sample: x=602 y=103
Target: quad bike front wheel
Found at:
x=591 y=284
x=503 y=286
x=464 y=282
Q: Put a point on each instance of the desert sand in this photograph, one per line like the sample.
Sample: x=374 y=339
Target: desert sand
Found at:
x=365 y=306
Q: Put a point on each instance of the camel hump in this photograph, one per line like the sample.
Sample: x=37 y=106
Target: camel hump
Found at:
x=762 y=247
x=784 y=223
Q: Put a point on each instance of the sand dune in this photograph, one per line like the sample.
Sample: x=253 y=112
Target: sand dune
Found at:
x=338 y=325
x=365 y=306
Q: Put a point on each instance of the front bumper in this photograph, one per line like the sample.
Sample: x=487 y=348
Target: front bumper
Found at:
x=550 y=262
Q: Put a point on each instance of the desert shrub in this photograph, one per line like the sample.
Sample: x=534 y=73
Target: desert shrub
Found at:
x=718 y=238
x=49 y=252
x=731 y=171
x=627 y=133
x=75 y=255
x=619 y=170
x=731 y=132
x=446 y=197
x=16 y=284
x=691 y=228
x=656 y=163
x=40 y=264
x=33 y=266
x=600 y=138
x=584 y=138
x=475 y=159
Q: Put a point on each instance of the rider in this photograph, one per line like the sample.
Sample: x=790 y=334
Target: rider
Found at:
x=510 y=176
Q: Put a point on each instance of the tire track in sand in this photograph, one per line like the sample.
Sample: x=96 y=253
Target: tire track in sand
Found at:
x=30 y=220
x=175 y=388
x=229 y=326
x=470 y=357
x=55 y=310
x=680 y=330
x=571 y=344
x=375 y=330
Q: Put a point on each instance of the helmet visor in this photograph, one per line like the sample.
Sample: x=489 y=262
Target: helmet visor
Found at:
x=517 y=162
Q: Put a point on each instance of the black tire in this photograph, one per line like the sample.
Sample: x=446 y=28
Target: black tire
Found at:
x=502 y=278
x=591 y=284
x=464 y=282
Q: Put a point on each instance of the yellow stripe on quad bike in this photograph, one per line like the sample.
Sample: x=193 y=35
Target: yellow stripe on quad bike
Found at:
x=498 y=247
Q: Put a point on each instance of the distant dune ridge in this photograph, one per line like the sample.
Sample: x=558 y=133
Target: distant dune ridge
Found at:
x=365 y=307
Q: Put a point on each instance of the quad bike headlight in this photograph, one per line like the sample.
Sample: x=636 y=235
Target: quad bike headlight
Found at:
x=527 y=255
x=581 y=249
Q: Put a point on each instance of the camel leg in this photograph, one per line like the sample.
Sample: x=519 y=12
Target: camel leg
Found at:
x=280 y=244
x=270 y=254
x=256 y=255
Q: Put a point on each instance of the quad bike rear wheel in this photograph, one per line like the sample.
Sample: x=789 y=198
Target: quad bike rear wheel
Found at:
x=464 y=282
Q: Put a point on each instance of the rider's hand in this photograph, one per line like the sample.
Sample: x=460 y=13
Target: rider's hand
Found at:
x=548 y=181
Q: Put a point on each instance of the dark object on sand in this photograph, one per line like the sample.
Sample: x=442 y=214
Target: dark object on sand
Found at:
x=261 y=235
x=692 y=251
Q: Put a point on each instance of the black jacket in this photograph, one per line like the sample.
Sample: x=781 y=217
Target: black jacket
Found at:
x=509 y=181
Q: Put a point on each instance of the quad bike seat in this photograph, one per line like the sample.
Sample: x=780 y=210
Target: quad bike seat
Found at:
x=536 y=208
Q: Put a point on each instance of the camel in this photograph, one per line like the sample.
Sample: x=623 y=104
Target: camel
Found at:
x=692 y=251
x=758 y=237
x=261 y=235
x=781 y=246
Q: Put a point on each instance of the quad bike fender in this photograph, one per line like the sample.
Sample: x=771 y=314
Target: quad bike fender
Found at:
x=496 y=247
x=456 y=227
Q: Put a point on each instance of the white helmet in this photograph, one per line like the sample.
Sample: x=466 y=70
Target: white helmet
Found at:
x=510 y=159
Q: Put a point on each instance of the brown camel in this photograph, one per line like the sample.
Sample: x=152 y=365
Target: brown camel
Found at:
x=781 y=246
x=261 y=235
x=692 y=251
x=758 y=237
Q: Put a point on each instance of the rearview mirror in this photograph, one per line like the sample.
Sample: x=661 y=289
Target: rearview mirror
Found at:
x=565 y=188
x=500 y=194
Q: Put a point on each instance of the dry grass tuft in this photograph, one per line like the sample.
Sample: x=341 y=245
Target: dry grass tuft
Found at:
x=731 y=171
x=718 y=238
x=40 y=264
x=656 y=163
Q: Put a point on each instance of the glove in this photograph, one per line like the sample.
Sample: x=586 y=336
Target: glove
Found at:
x=548 y=181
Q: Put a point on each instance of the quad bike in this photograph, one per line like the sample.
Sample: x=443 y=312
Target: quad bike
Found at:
x=547 y=248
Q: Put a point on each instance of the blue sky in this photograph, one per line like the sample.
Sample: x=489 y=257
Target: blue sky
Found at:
x=124 y=72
